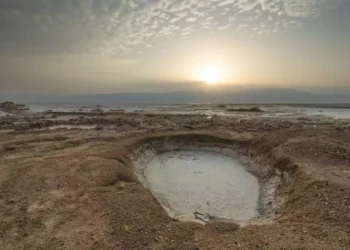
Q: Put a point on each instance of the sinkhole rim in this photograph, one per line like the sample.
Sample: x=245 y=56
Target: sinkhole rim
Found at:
x=269 y=178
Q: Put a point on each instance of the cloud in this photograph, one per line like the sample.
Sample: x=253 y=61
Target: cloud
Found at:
x=305 y=8
x=225 y=27
x=226 y=2
x=190 y=19
x=116 y=27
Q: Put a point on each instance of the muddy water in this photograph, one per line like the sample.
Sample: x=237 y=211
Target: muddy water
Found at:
x=204 y=182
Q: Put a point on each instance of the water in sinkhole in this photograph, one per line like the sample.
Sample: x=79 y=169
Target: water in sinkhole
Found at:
x=199 y=182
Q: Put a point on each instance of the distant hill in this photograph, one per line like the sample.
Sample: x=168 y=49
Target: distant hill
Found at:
x=270 y=95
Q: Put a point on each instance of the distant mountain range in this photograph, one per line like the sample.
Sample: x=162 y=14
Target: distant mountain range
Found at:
x=270 y=95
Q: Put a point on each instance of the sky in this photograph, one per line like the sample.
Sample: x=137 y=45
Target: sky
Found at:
x=109 y=46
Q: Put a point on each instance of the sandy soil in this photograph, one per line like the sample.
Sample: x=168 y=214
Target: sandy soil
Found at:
x=76 y=189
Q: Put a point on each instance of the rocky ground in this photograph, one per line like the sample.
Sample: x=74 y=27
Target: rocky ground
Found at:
x=76 y=189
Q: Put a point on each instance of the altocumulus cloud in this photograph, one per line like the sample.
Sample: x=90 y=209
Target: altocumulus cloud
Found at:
x=121 y=27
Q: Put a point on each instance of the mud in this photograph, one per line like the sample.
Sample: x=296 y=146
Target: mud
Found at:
x=207 y=181
x=78 y=188
x=194 y=183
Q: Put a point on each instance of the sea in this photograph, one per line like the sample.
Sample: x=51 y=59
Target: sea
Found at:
x=271 y=110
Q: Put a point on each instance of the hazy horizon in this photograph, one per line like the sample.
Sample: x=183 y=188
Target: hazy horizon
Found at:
x=51 y=47
x=257 y=96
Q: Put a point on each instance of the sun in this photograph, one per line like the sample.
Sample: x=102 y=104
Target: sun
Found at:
x=210 y=73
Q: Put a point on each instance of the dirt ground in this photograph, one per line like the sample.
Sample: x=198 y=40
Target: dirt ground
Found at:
x=75 y=189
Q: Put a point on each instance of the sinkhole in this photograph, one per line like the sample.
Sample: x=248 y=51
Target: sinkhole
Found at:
x=206 y=181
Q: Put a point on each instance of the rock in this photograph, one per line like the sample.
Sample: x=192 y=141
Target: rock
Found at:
x=10 y=106
x=221 y=106
x=38 y=125
x=203 y=217
x=99 y=127
x=120 y=185
x=10 y=148
x=188 y=126
x=253 y=109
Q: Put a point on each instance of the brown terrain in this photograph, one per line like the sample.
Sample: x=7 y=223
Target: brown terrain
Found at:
x=77 y=189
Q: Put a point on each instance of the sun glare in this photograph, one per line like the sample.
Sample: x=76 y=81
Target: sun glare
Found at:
x=210 y=73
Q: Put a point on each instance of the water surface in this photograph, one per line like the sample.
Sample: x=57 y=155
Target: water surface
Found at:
x=204 y=182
